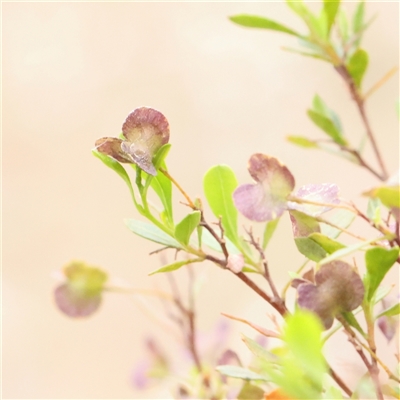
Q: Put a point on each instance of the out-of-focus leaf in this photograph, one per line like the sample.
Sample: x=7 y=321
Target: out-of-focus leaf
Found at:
x=328 y=244
x=378 y=261
x=257 y=349
x=302 y=142
x=239 y=372
x=358 y=17
x=346 y=251
x=250 y=392
x=374 y=210
x=254 y=21
x=343 y=25
x=219 y=183
x=333 y=392
x=327 y=126
x=185 y=228
x=342 y=218
x=176 y=265
x=319 y=106
x=388 y=195
x=330 y=9
x=151 y=232
x=391 y=311
x=269 y=231
x=357 y=65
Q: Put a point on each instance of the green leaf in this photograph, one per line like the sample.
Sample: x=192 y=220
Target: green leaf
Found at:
x=342 y=218
x=239 y=372
x=388 y=195
x=327 y=126
x=310 y=249
x=357 y=65
x=212 y=243
x=162 y=186
x=250 y=392
x=269 y=231
x=302 y=335
x=176 y=265
x=302 y=142
x=119 y=169
x=219 y=184
x=352 y=321
x=333 y=392
x=374 y=210
x=328 y=244
x=346 y=251
x=358 y=17
x=151 y=232
x=254 y=21
x=378 y=261
x=319 y=106
x=257 y=349
x=390 y=312
x=185 y=228
x=330 y=9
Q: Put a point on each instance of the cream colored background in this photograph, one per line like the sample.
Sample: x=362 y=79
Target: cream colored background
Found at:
x=71 y=74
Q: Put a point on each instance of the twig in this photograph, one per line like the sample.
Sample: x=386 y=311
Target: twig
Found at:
x=381 y=81
x=339 y=381
x=344 y=73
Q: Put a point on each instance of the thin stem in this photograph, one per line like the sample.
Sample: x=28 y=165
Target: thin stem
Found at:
x=381 y=81
x=287 y=286
x=356 y=96
x=339 y=381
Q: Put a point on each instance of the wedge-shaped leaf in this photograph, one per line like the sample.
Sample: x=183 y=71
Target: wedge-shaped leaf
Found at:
x=357 y=65
x=302 y=142
x=269 y=231
x=330 y=9
x=176 y=265
x=338 y=288
x=239 y=372
x=185 y=228
x=352 y=321
x=254 y=21
x=378 y=261
x=219 y=183
x=328 y=126
x=267 y=198
x=391 y=311
x=328 y=244
x=151 y=232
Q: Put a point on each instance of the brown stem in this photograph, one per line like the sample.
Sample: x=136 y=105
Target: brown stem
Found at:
x=339 y=381
x=344 y=73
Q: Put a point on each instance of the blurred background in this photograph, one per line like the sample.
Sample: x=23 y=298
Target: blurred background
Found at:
x=71 y=74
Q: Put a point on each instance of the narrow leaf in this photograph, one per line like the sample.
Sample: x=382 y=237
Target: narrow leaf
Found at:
x=357 y=65
x=176 y=265
x=219 y=185
x=185 y=228
x=390 y=312
x=235 y=371
x=327 y=126
x=342 y=219
x=378 y=261
x=302 y=142
x=254 y=21
x=330 y=9
x=269 y=231
x=358 y=17
x=151 y=232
